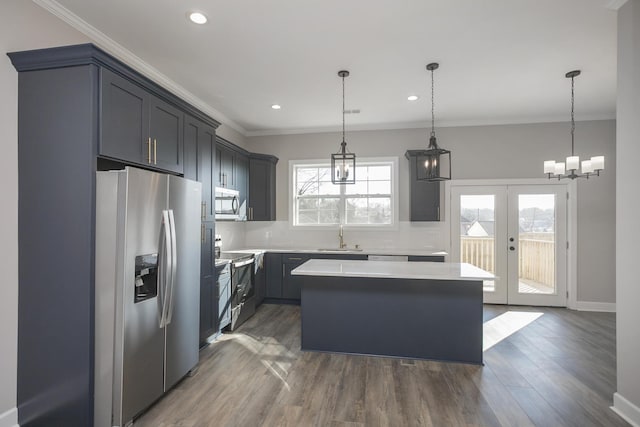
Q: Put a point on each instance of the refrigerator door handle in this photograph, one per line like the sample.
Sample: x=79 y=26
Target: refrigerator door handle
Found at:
x=164 y=267
x=174 y=265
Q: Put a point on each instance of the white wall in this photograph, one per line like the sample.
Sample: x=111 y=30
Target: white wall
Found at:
x=23 y=25
x=627 y=398
x=506 y=151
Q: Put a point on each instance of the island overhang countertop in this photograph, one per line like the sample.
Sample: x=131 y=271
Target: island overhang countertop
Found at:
x=392 y=269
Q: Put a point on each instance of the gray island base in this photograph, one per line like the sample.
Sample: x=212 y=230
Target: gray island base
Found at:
x=369 y=308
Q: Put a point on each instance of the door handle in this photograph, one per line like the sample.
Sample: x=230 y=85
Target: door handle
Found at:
x=202 y=233
x=155 y=151
x=203 y=210
x=149 y=150
x=174 y=265
x=164 y=265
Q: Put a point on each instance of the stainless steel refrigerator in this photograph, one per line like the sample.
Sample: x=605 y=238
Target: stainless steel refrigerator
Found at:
x=147 y=289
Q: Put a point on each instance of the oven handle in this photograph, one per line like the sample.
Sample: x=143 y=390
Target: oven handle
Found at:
x=242 y=263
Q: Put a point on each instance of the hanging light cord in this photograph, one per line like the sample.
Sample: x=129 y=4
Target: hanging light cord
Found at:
x=343 y=141
x=573 y=121
x=433 y=108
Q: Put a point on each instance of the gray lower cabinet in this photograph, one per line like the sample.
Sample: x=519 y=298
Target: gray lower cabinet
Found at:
x=426 y=258
x=223 y=280
x=424 y=196
x=280 y=284
x=260 y=282
x=262 y=187
x=273 y=272
x=137 y=126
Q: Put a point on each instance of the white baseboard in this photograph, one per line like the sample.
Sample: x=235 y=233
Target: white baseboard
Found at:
x=609 y=307
x=9 y=418
x=626 y=409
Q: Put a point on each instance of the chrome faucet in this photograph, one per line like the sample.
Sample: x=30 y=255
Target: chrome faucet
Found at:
x=341 y=236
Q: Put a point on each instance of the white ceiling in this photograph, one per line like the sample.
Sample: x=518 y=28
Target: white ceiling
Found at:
x=501 y=61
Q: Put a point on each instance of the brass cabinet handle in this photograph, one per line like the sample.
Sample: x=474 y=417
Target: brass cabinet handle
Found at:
x=149 y=150
x=155 y=151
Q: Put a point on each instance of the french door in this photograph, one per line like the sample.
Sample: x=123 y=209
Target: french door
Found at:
x=517 y=232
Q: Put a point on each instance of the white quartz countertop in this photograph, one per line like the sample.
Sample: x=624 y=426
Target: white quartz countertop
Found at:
x=392 y=269
x=368 y=251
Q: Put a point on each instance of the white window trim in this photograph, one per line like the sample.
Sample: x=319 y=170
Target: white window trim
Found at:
x=395 y=196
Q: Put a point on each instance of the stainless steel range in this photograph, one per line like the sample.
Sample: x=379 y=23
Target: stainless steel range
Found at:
x=243 y=304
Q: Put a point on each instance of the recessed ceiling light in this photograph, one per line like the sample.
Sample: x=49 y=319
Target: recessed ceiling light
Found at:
x=197 y=18
x=412 y=97
x=276 y=107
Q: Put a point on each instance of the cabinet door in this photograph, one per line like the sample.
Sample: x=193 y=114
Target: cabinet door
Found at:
x=208 y=297
x=190 y=156
x=242 y=182
x=227 y=167
x=292 y=285
x=124 y=124
x=260 y=284
x=224 y=299
x=199 y=161
x=166 y=132
x=274 y=272
x=262 y=190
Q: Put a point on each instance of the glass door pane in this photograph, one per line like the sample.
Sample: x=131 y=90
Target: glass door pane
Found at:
x=537 y=244
x=477 y=233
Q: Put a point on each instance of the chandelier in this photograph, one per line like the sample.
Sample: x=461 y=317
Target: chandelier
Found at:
x=570 y=168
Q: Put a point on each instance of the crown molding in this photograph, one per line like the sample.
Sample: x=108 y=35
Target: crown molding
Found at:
x=614 y=4
x=427 y=124
x=125 y=55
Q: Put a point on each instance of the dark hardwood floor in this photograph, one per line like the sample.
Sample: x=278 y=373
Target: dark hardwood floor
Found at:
x=558 y=370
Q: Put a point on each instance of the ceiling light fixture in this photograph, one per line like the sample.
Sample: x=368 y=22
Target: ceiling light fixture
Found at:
x=276 y=107
x=197 y=18
x=343 y=163
x=412 y=97
x=434 y=163
x=590 y=167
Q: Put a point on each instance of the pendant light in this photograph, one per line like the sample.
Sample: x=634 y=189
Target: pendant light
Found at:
x=434 y=163
x=343 y=163
x=590 y=167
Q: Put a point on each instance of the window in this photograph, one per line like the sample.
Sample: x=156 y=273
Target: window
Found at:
x=371 y=201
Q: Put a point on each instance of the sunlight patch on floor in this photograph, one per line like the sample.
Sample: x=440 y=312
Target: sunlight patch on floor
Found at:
x=504 y=325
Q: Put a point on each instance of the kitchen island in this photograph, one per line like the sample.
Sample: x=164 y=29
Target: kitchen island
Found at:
x=422 y=310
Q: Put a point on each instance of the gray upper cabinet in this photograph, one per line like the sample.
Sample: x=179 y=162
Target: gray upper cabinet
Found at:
x=242 y=183
x=137 y=126
x=124 y=127
x=200 y=161
x=226 y=165
x=76 y=105
x=424 y=196
x=262 y=188
x=165 y=133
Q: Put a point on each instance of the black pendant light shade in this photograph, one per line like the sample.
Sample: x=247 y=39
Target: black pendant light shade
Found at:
x=434 y=163
x=343 y=163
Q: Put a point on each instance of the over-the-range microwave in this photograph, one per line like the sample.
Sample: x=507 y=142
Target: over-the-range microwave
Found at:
x=227 y=204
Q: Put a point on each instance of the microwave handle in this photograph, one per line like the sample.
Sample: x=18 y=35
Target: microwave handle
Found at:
x=235 y=205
